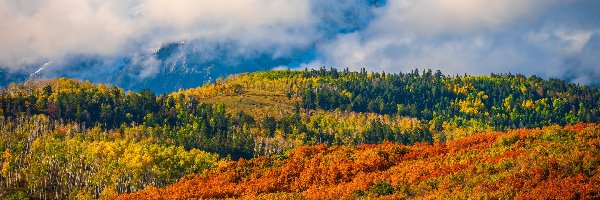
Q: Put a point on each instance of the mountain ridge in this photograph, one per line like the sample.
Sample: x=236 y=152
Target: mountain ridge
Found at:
x=50 y=126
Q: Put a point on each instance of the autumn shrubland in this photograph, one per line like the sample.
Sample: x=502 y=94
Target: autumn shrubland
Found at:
x=303 y=134
x=553 y=162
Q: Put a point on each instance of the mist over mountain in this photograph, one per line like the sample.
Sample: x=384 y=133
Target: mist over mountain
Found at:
x=172 y=66
x=170 y=45
x=164 y=61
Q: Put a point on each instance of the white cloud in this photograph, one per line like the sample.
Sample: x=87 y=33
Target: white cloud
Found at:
x=546 y=38
x=34 y=30
x=57 y=26
x=464 y=36
x=434 y=16
x=576 y=38
x=405 y=34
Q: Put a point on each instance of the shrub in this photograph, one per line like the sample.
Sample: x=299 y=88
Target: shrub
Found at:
x=382 y=188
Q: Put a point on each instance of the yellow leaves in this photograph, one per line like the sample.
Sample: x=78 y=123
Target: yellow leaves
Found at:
x=507 y=102
x=6 y=160
x=102 y=89
x=471 y=127
x=527 y=104
x=473 y=105
x=347 y=94
x=543 y=102
x=405 y=123
x=460 y=89
x=482 y=95
x=84 y=194
x=523 y=89
x=108 y=192
x=104 y=164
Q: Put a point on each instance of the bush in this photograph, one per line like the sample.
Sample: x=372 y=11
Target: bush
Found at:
x=507 y=140
x=557 y=134
x=358 y=194
x=382 y=188
x=18 y=195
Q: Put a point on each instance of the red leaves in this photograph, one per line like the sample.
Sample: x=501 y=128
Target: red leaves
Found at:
x=556 y=187
x=442 y=171
x=473 y=142
x=527 y=168
x=507 y=155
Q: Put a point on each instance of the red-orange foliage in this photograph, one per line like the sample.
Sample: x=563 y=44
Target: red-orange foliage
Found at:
x=523 y=164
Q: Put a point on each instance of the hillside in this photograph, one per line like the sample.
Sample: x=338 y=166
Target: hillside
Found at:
x=524 y=164
x=65 y=138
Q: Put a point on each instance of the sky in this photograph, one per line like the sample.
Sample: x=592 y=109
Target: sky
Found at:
x=548 y=38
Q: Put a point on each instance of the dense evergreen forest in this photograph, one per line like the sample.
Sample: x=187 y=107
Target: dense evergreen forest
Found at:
x=66 y=138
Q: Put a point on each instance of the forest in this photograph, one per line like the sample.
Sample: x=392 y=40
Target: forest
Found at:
x=553 y=162
x=335 y=133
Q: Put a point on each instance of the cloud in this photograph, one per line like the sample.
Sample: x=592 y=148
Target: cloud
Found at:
x=91 y=38
x=474 y=37
x=432 y=16
x=37 y=30
x=33 y=30
x=586 y=68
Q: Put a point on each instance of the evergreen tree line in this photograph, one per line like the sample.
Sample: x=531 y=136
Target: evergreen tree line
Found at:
x=186 y=121
x=501 y=101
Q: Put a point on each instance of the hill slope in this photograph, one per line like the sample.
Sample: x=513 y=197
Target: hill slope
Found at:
x=529 y=164
x=64 y=138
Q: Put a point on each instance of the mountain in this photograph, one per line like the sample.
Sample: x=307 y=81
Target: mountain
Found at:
x=171 y=67
x=7 y=76
x=67 y=138
x=180 y=65
x=166 y=60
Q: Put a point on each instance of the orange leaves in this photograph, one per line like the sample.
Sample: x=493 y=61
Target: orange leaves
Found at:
x=474 y=142
x=520 y=164
x=554 y=186
x=442 y=171
x=508 y=155
x=305 y=152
